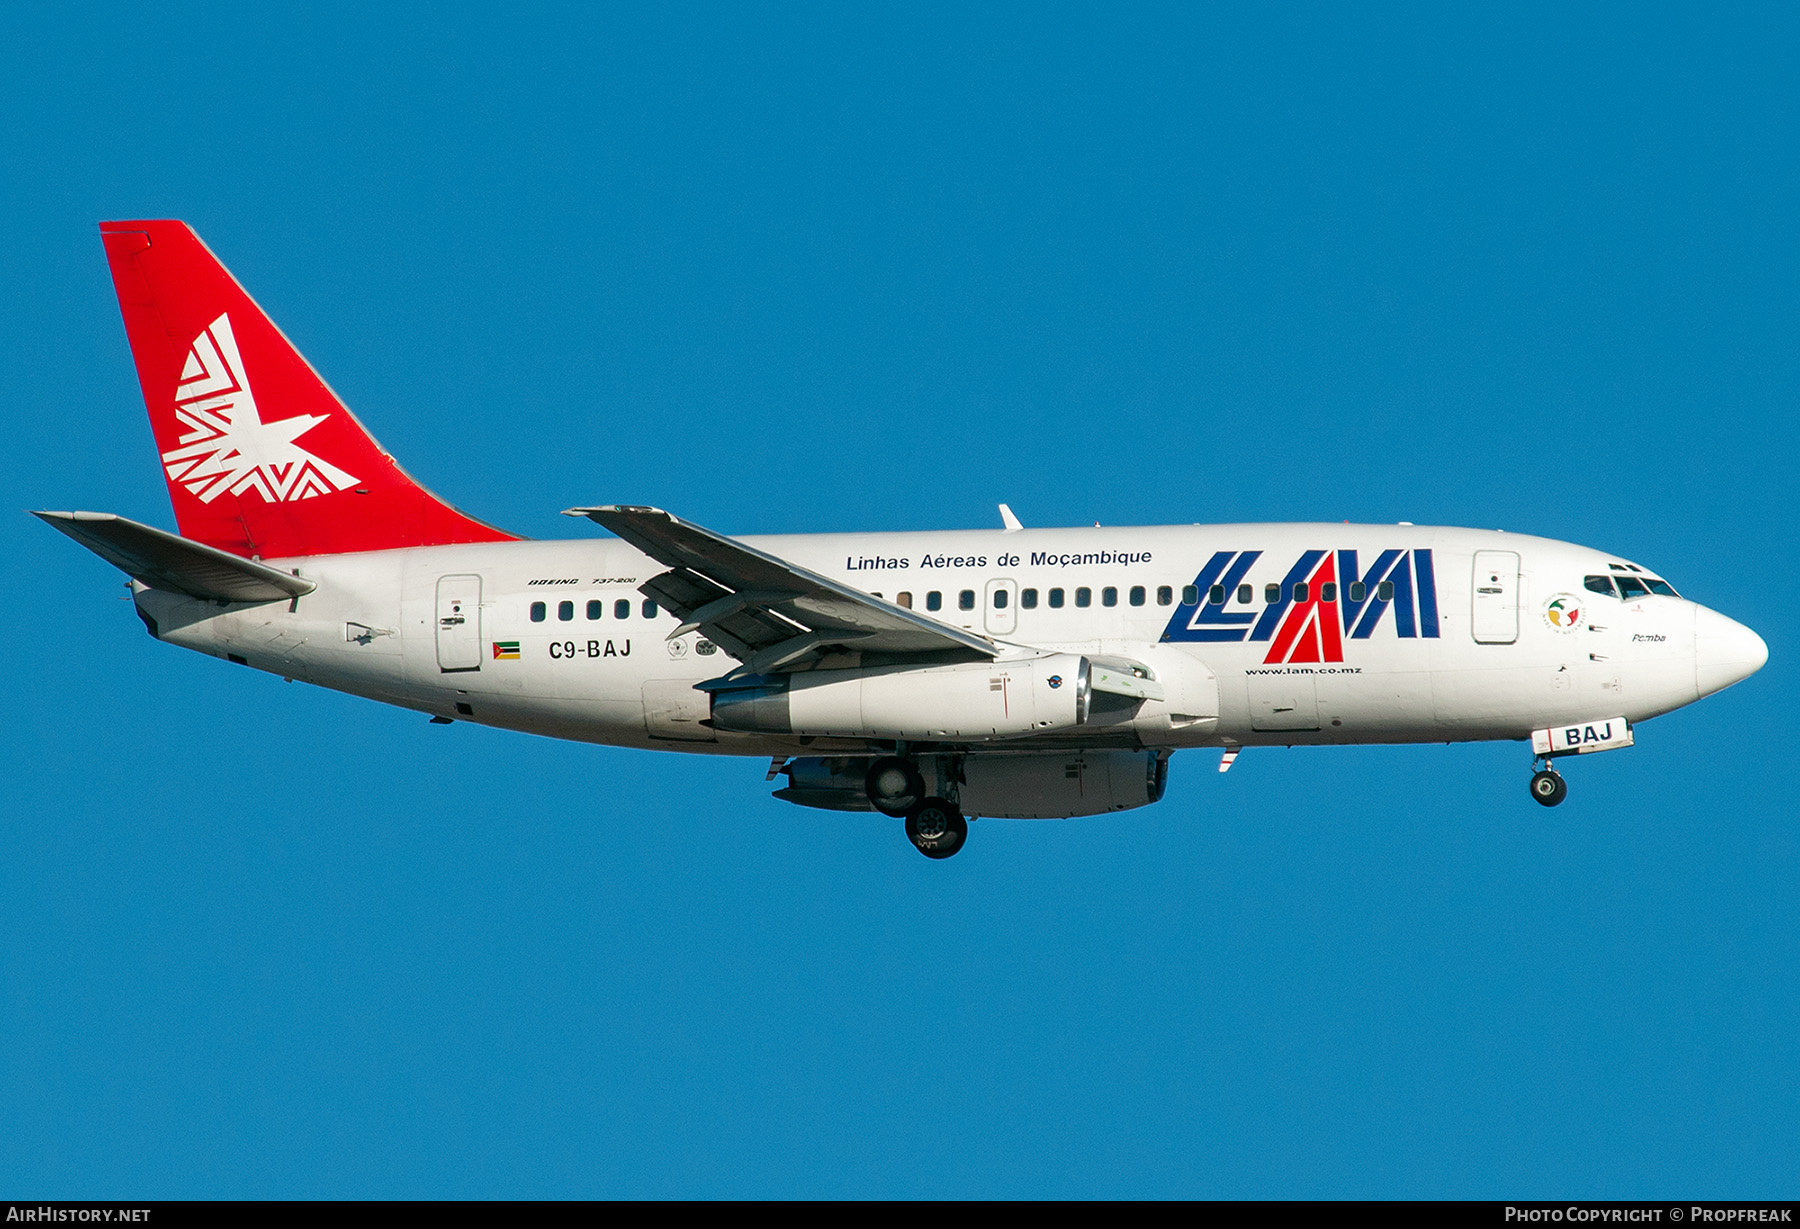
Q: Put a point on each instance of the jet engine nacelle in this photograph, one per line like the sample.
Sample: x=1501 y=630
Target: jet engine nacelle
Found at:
x=1044 y=785
x=973 y=701
x=1023 y=785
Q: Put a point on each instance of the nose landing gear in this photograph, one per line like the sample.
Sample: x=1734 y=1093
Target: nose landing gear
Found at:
x=1547 y=786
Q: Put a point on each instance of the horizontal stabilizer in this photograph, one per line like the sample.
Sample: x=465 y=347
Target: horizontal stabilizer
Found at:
x=164 y=561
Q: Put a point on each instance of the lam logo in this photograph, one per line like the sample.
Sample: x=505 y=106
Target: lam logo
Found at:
x=1325 y=600
x=226 y=445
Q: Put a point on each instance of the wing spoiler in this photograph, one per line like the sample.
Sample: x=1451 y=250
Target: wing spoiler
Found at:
x=162 y=560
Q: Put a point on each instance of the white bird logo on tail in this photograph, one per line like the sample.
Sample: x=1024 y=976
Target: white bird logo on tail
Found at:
x=227 y=445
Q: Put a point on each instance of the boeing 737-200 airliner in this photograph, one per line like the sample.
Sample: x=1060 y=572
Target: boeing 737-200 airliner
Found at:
x=930 y=676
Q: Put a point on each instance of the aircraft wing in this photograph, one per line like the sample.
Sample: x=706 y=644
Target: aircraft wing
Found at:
x=764 y=611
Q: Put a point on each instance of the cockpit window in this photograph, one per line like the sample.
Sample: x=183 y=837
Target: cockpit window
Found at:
x=1631 y=587
x=1599 y=584
x=1662 y=587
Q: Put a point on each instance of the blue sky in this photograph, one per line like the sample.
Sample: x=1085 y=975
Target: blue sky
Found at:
x=827 y=269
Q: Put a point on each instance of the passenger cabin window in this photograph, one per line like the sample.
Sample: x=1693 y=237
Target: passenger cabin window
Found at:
x=966 y=600
x=1599 y=584
x=1165 y=596
x=1300 y=591
x=650 y=608
x=1109 y=596
x=1385 y=591
x=1271 y=594
x=999 y=599
x=1084 y=597
x=1216 y=595
x=1028 y=599
x=565 y=611
x=903 y=599
x=622 y=608
x=1358 y=591
x=934 y=600
x=1631 y=586
x=1190 y=596
x=1328 y=592
x=1661 y=586
x=537 y=612
x=1246 y=595
x=1136 y=596
x=1056 y=599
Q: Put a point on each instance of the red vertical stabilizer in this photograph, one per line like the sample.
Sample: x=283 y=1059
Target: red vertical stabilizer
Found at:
x=260 y=455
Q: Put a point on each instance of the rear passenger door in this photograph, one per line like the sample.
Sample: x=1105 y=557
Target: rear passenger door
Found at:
x=459 y=623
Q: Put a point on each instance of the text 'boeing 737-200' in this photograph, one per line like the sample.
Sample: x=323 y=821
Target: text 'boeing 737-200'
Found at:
x=1013 y=673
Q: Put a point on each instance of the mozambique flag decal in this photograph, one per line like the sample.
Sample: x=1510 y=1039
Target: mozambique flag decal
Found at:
x=506 y=650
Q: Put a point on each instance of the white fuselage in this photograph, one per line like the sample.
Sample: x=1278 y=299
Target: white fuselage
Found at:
x=1479 y=657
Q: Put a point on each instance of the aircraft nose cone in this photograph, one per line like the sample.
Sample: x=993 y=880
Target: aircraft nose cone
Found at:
x=1725 y=651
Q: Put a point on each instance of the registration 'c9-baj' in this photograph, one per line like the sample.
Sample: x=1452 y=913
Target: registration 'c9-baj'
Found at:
x=930 y=676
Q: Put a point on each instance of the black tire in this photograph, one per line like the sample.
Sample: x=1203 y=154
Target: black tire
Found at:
x=1548 y=788
x=936 y=828
x=893 y=785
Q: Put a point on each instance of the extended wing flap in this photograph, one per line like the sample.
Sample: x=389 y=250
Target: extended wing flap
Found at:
x=730 y=620
x=164 y=561
x=755 y=605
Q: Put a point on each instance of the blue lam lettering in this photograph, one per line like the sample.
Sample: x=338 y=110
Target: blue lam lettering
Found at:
x=1428 y=611
x=1361 y=618
x=1205 y=619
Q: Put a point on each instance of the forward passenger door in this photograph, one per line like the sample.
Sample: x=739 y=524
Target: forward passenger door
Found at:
x=1494 y=602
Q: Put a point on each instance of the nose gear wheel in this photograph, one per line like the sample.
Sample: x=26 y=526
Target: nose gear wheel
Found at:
x=1548 y=788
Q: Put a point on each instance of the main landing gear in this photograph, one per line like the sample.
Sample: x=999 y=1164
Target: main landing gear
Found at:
x=1547 y=786
x=894 y=785
x=935 y=826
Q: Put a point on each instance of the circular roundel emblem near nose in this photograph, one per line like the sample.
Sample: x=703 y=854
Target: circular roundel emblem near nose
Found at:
x=1055 y=680
x=1564 y=612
